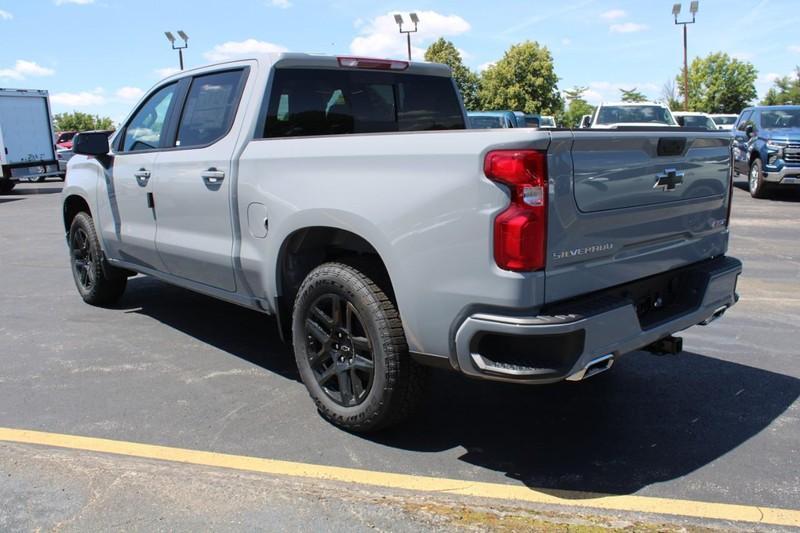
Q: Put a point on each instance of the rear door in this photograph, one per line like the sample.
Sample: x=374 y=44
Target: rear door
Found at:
x=193 y=182
x=627 y=205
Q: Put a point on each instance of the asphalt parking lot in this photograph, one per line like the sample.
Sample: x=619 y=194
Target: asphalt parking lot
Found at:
x=720 y=422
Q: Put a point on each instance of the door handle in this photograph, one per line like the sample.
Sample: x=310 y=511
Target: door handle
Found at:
x=212 y=176
x=142 y=174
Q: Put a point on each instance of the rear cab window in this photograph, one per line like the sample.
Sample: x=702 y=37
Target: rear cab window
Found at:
x=319 y=101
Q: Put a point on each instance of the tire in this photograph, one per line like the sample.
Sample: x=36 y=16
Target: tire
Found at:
x=97 y=282
x=38 y=179
x=755 y=180
x=351 y=350
x=6 y=186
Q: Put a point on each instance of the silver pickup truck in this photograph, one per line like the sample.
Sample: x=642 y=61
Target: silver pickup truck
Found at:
x=345 y=197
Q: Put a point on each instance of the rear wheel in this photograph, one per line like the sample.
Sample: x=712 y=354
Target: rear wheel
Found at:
x=37 y=179
x=6 y=186
x=97 y=282
x=758 y=187
x=351 y=350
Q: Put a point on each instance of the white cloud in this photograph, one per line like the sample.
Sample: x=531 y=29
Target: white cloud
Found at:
x=794 y=48
x=613 y=14
x=82 y=99
x=627 y=27
x=166 y=71
x=566 y=41
x=23 y=69
x=380 y=38
x=743 y=56
x=486 y=65
x=283 y=4
x=129 y=94
x=234 y=49
x=5 y=15
x=76 y=2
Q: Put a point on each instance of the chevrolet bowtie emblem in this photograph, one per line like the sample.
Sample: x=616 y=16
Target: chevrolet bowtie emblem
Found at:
x=669 y=180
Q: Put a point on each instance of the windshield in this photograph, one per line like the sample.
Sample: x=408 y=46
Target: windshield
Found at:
x=780 y=118
x=547 y=121
x=697 y=121
x=724 y=120
x=484 y=122
x=651 y=114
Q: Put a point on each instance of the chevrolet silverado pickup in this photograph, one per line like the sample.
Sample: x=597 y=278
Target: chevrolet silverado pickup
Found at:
x=346 y=197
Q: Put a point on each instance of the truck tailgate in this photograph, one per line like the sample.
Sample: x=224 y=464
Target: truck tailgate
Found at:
x=628 y=205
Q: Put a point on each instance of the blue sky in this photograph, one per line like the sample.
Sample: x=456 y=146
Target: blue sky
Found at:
x=99 y=56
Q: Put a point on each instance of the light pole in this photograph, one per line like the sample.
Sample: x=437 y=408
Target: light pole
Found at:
x=399 y=20
x=676 y=9
x=171 y=39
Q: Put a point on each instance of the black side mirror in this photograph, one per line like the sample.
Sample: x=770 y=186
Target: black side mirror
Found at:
x=91 y=143
x=748 y=130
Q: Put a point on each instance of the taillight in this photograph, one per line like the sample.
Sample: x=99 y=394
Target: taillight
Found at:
x=520 y=232
x=372 y=64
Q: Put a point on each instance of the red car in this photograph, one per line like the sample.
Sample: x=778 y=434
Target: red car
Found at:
x=64 y=139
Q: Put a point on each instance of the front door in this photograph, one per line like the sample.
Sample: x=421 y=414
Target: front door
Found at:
x=193 y=183
x=131 y=187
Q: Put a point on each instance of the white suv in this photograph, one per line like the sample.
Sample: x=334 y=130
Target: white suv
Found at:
x=647 y=114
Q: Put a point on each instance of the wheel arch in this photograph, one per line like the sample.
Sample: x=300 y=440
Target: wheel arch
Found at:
x=74 y=204
x=306 y=248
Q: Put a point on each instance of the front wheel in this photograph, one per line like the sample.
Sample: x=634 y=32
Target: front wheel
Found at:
x=97 y=283
x=351 y=350
x=756 y=183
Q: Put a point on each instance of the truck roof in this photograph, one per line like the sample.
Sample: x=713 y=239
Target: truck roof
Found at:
x=327 y=61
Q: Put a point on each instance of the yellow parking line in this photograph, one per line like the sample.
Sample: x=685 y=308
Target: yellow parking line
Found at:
x=641 y=504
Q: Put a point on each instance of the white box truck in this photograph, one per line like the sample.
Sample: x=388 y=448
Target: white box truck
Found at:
x=27 y=145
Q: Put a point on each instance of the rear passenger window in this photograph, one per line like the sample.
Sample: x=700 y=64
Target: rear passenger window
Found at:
x=209 y=109
x=330 y=102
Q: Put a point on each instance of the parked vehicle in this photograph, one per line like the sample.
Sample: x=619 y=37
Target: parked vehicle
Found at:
x=647 y=114
x=491 y=119
x=27 y=146
x=766 y=147
x=525 y=120
x=724 y=121
x=586 y=122
x=64 y=139
x=547 y=121
x=528 y=256
x=691 y=119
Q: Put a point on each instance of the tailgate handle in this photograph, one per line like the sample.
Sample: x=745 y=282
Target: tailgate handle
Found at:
x=671 y=146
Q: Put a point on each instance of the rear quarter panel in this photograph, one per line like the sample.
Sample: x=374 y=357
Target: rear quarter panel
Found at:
x=420 y=199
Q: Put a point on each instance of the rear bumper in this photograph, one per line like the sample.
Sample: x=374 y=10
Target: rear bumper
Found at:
x=574 y=336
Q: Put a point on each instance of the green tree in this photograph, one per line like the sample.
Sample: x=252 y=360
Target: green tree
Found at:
x=719 y=83
x=786 y=90
x=632 y=95
x=576 y=108
x=523 y=80
x=77 y=121
x=443 y=51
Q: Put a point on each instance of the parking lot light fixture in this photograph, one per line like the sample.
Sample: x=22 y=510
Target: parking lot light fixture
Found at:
x=399 y=20
x=676 y=9
x=179 y=48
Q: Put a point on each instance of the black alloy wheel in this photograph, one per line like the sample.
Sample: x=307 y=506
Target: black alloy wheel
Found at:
x=339 y=350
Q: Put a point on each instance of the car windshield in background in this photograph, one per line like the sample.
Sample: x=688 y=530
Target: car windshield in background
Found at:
x=547 y=121
x=697 y=121
x=486 y=122
x=651 y=114
x=334 y=102
x=724 y=121
x=780 y=118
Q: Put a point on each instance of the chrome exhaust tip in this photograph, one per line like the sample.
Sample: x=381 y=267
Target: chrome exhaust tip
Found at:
x=593 y=367
x=718 y=312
